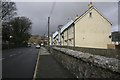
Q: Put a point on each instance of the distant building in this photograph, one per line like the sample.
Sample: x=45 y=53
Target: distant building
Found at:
x=67 y=34
x=91 y=29
x=44 y=40
x=50 y=40
x=116 y=40
x=116 y=37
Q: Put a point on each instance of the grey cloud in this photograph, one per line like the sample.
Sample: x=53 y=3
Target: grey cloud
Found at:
x=38 y=13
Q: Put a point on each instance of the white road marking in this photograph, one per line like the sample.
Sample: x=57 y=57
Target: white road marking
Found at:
x=12 y=55
x=2 y=59
x=19 y=52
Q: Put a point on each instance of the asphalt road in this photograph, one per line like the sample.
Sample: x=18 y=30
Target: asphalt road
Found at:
x=19 y=62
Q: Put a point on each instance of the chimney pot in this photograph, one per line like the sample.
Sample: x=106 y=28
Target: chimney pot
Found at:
x=90 y=5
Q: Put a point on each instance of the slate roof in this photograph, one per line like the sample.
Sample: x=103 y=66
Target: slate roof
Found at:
x=67 y=25
x=55 y=34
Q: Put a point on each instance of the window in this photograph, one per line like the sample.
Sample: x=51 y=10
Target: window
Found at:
x=110 y=36
x=65 y=40
x=69 y=39
x=62 y=36
x=90 y=14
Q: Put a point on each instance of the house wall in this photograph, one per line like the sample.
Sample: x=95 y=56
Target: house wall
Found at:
x=92 y=31
x=50 y=40
x=62 y=39
x=65 y=38
x=68 y=39
x=56 y=40
x=70 y=36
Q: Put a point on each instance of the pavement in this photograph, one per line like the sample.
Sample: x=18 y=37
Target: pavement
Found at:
x=48 y=67
x=19 y=63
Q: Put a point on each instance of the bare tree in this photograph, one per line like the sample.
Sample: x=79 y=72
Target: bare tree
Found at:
x=8 y=10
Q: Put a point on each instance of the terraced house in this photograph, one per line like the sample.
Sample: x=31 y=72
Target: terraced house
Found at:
x=91 y=29
x=67 y=34
x=55 y=38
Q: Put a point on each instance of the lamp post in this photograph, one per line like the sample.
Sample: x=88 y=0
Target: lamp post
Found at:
x=10 y=37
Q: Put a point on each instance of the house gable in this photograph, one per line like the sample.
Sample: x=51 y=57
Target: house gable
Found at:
x=92 y=31
x=87 y=12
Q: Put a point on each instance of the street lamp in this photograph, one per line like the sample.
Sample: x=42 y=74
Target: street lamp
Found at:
x=10 y=36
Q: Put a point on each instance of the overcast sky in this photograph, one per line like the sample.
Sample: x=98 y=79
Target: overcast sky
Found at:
x=62 y=12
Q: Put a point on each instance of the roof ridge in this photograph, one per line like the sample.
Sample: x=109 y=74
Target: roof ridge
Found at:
x=102 y=15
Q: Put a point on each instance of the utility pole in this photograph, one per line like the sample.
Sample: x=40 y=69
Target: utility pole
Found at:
x=48 y=32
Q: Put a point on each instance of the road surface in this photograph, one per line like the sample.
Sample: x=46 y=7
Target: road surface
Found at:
x=19 y=62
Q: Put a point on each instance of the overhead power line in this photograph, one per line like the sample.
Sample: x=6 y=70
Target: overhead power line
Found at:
x=51 y=11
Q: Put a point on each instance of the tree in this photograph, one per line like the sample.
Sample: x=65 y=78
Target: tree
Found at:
x=20 y=29
x=6 y=31
x=8 y=11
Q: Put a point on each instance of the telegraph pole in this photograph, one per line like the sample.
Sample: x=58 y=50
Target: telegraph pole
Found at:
x=48 y=32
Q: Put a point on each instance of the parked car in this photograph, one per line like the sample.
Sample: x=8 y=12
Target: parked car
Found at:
x=28 y=45
x=37 y=46
x=34 y=43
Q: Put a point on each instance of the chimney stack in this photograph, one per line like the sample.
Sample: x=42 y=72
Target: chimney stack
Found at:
x=90 y=5
x=76 y=17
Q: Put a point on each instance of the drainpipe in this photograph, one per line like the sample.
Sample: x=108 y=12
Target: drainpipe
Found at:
x=67 y=37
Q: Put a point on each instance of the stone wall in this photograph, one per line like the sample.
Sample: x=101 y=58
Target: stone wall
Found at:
x=85 y=65
x=110 y=53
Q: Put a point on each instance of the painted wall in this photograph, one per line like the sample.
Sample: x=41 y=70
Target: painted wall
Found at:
x=65 y=38
x=50 y=40
x=62 y=39
x=70 y=36
x=56 y=40
x=92 y=31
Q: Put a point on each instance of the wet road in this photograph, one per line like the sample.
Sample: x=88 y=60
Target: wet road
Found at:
x=19 y=62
